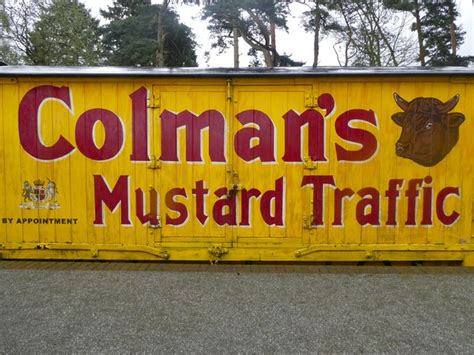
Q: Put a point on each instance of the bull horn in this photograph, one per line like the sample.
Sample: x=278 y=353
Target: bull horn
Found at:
x=400 y=101
x=450 y=104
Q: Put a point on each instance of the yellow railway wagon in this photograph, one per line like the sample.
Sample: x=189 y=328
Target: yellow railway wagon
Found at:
x=268 y=165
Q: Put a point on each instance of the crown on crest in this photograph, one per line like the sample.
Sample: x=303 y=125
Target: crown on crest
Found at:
x=38 y=182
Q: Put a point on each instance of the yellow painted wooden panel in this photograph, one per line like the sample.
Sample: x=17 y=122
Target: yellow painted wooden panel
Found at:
x=67 y=219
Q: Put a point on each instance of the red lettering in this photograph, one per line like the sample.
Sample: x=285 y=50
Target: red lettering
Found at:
x=139 y=125
x=318 y=182
x=412 y=193
x=273 y=216
x=427 y=219
x=359 y=136
x=211 y=119
x=393 y=194
x=201 y=192
x=370 y=199
x=447 y=220
x=28 y=123
x=119 y=195
x=178 y=207
x=245 y=211
x=243 y=140
x=326 y=102
x=113 y=134
x=225 y=202
x=293 y=135
x=339 y=196
x=152 y=216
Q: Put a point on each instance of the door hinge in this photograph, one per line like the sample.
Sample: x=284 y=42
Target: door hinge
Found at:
x=229 y=90
x=155 y=163
x=310 y=101
x=309 y=164
x=157 y=225
x=308 y=222
x=217 y=251
x=154 y=101
x=235 y=185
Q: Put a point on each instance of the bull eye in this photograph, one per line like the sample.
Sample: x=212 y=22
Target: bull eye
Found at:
x=429 y=125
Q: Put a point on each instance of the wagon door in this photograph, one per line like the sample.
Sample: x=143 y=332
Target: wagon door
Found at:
x=270 y=198
x=192 y=155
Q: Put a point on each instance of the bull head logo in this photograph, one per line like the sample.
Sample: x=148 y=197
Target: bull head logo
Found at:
x=429 y=131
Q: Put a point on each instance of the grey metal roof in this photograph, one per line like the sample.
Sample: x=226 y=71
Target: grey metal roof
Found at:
x=226 y=72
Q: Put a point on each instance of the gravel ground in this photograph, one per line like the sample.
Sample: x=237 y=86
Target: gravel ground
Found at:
x=242 y=309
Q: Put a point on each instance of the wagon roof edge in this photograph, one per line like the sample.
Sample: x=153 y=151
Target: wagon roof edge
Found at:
x=51 y=71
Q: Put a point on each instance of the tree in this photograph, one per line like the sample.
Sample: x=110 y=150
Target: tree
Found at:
x=416 y=9
x=133 y=37
x=65 y=34
x=18 y=18
x=255 y=21
x=371 y=34
x=7 y=55
x=286 y=61
x=436 y=30
x=161 y=29
x=318 y=20
x=442 y=36
x=224 y=22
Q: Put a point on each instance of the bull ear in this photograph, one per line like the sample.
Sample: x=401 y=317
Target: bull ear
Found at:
x=402 y=103
x=399 y=118
x=454 y=119
x=450 y=104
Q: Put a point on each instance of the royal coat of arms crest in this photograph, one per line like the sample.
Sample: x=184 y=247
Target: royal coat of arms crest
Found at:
x=40 y=195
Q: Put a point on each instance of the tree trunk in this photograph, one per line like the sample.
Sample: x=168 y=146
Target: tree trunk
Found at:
x=235 y=33
x=275 y=58
x=317 y=29
x=420 y=35
x=267 y=55
x=160 y=51
x=452 y=30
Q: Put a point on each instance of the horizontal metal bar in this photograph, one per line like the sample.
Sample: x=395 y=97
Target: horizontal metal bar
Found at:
x=48 y=71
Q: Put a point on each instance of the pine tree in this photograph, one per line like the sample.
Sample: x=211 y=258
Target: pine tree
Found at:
x=65 y=34
x=435 y=25
x=319 y=21
x=142 y=34
x=442 y=36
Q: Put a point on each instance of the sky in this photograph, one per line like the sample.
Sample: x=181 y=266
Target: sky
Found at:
x=297 y=42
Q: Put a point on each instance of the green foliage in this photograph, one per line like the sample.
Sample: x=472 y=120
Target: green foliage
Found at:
x=122 y=9
x=437 y=32
x=8 y=55
x=319 y=10
x=370 y=34
x=65 y=34
x=18 y=18
x=286 y=61
x=130 y=38
x=254 y=21
x=442 y=36
x=320 y=21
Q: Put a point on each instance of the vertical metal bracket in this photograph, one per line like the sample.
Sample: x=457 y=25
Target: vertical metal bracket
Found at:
x=217 y=251
x=155 y=226
x=235 y=185
x=307 y=222
x=229 y=90
x=154 y=163
x=309 y=164
x=154 y=101
x=310 y=101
